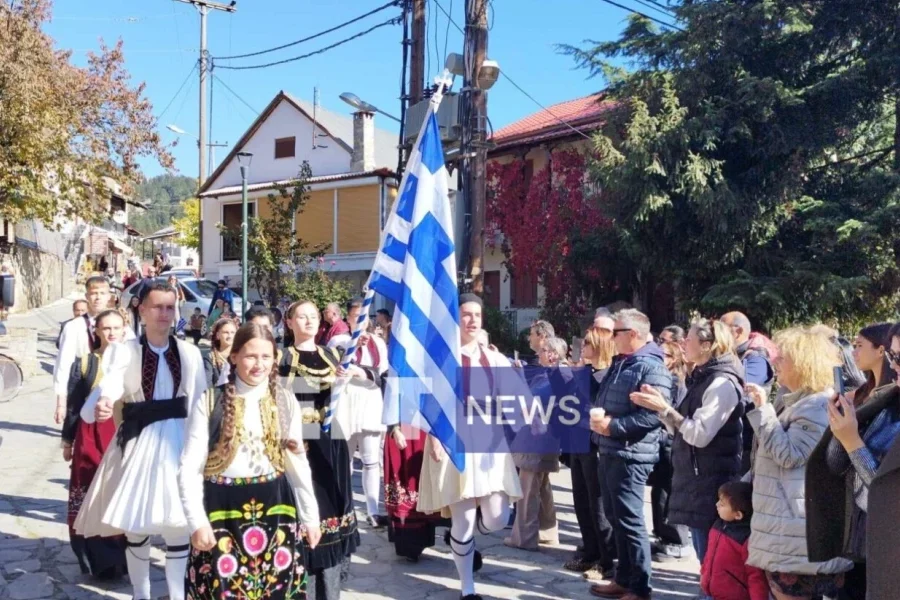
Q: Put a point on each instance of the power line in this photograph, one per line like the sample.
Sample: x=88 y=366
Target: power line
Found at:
x=314 y=36
x=447 y=33
x=663 y=6
x=517 y=86
x=646 y=16
x=392 y=21
x=127 y=19
x=235 y=94
x=547 y=110
x=664 y=11
x=181 y=87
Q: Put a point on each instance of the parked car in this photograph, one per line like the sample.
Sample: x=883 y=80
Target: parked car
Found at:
x=181 y=272
x=197 y=293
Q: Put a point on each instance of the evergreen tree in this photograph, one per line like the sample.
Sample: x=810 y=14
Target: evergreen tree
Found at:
x=754 y=159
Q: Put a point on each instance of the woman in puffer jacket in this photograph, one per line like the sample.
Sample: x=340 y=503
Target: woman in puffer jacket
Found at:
x=786 y=441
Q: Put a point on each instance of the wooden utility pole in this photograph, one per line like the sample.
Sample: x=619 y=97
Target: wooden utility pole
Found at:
x=474 y=142
x=417 y=60
x=203 y=7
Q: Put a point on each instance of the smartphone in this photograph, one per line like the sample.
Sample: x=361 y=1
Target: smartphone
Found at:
x=838 y=373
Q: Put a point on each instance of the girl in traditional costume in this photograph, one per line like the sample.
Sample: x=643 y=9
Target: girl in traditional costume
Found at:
x=245 y=482
x=308 y=371
x=84 y=444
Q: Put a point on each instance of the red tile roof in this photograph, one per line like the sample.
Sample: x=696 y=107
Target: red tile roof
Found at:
x=584 y=114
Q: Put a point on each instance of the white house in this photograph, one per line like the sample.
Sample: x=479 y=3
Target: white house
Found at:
x=351 y=190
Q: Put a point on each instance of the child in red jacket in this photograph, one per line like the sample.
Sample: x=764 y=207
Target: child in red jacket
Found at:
x=725 y=574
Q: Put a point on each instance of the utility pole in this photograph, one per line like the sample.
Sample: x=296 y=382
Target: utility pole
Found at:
x=474 y=137
x=417 y=60
x=203 y=7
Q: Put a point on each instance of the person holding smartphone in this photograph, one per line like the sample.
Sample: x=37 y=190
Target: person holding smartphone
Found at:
x=853 y=480
x=786 y=439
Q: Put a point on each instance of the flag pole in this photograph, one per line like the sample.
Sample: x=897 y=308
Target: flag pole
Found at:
x=442 y=81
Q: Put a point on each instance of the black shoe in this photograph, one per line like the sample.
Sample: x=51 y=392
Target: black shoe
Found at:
x=471 y=597
x=377 y=521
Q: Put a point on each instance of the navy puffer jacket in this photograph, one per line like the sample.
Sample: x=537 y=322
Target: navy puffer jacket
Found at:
x=633 y=430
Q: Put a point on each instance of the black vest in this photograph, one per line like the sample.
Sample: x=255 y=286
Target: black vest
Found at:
x=698 y=472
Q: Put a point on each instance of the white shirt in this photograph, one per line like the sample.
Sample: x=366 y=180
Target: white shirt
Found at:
x=250 y=459
x=698 y=430
x=74 y=343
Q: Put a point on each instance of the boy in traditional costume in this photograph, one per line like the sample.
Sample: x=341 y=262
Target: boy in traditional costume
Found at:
x=158 y=379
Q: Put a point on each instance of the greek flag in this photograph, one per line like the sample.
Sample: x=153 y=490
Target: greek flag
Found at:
x=416 y=268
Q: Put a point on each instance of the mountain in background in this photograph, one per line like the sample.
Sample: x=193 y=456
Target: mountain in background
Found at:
x=164 y=194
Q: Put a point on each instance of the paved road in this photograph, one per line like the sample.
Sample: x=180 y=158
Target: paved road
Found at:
x=36 y=562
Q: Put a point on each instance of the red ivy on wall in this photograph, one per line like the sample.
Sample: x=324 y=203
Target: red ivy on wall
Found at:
x=539 y=220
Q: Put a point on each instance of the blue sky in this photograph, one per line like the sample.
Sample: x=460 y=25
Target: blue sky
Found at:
x=161 y=38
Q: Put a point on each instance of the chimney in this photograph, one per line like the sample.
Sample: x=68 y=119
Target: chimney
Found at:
x=363 y=157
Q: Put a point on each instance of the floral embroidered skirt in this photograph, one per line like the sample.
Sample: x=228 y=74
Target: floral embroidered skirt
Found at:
x=258 y=553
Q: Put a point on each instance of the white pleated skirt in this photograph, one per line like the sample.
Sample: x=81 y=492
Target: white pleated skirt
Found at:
x=137 y=491
x=359 y=410
x=441 y=484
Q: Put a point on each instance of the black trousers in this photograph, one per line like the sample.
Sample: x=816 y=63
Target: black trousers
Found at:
x=596 y=530
x=660 y=483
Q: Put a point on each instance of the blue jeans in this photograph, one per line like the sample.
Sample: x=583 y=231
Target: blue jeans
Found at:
x=700 y=539
x=622 y=484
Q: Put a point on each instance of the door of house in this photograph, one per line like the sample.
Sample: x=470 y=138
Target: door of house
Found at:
x=492 y=289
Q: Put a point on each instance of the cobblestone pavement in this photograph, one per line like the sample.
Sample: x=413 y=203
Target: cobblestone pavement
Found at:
x=36 y=562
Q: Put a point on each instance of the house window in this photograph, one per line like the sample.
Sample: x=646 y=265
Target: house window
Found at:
x=284 y=147
x=523 y=291
x=231 y=234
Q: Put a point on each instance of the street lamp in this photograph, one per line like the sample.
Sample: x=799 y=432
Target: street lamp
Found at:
x=244 y=160
x=355 y=101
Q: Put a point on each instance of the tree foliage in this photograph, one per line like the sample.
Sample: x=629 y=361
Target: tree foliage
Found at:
x=189 y=224
x=64 y=128
x=541 y=219
x=753 y=158
x=165 y=195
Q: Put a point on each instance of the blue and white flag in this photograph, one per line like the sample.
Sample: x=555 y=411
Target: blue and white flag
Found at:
x=416 y=268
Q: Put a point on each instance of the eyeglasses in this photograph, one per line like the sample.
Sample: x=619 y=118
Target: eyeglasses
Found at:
x=894 y=357
x=618 y=331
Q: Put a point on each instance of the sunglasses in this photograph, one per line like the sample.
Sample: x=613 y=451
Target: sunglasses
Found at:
x=894 y=357
x=618 y=331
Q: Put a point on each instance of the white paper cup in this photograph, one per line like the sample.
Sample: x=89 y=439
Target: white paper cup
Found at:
x=597 y=414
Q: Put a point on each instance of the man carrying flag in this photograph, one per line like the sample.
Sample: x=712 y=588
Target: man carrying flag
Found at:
x=416 y=268
x=487 y=481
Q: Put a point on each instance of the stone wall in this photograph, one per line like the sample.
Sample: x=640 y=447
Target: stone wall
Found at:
x=21 y=344
x=41 y=277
